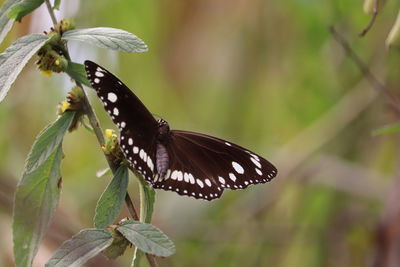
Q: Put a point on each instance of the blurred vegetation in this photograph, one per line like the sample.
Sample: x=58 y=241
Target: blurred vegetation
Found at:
x=264 y=74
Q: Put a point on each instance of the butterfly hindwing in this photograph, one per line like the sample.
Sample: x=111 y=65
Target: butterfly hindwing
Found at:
x=203 y=166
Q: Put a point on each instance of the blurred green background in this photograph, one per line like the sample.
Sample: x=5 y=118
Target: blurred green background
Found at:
x=267 y=75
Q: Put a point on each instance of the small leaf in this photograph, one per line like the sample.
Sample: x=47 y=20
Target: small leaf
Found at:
x=77 y=72
x=147 y=238
x=110 y=202
x=5 y=22
x=110 y=38
x=388 y=129
x=57 y=4
x=48 y=140
x=36 y=200
x=23 y=8
x=80 y=248
x=15 y=58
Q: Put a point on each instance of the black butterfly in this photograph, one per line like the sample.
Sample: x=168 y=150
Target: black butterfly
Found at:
x=188 y=163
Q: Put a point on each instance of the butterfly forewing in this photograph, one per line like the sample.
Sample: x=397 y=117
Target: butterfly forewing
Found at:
x=203 y=166
x=137 y=125
x=198 y=165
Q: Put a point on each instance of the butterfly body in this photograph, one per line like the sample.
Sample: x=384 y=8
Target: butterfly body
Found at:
x=187 y=163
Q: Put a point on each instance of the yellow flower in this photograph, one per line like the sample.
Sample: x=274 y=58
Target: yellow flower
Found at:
x=46 y=72
x=109 y=133
x=64 y=106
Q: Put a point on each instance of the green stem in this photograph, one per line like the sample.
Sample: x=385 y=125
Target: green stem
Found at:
x=100 y=137
x=51 y=12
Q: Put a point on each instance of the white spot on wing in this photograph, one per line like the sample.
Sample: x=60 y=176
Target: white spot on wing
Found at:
x=150 y=163
x=200 y=183
x=186 y=177
x=228 y=144
x=208 y=182
x=259 y=171
x=116 y=112
x=180 y=176
x=135 y=150
x=191 y=178
x=258 y=164
x=96 y=80
x=130 y=141
x=232 y=176
x=123 y=124
x=238 y=168
x=221 y=180
x=112 y=97
x=99 y=74
x=174 y=175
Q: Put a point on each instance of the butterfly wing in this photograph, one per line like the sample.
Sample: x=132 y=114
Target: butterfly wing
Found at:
x=137 y=125
x=202 y=166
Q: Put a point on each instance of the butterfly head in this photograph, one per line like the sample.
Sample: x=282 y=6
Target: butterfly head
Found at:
x=163 y=131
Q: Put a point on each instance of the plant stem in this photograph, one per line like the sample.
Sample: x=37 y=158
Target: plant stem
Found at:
x=100 y=137
x=51 y=12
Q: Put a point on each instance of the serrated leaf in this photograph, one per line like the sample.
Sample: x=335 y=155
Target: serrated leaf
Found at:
x=5 y=21
x=80 y=248
x=388 y=129
x=110 y=202
x=36 y=200
x=57 y=4
x=23 y=8
x=147 y=238
x=114 y=39
x=77 y=72
x=48 y=140
x=15 y=58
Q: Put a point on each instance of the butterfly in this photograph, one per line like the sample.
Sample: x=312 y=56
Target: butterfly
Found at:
x=188 y=163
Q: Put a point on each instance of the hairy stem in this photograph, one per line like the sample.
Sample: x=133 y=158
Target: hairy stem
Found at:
x=94 y=122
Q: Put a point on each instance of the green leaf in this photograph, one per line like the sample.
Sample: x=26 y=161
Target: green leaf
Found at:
x=110 y=202
x=110 y=38
x=6 y=22
x=48 y=140
x=15 y=58
x=77 y=72
x=118 y=246
x=388 y=129
x=36 y=200
x=80 y=248
x=57 y=4
x=147 y=238
x=23 y=8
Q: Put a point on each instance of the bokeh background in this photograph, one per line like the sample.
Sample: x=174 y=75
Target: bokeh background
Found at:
x=267 y=75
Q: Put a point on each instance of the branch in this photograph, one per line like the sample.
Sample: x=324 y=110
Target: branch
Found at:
x=372 y=21
x=375 y=83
